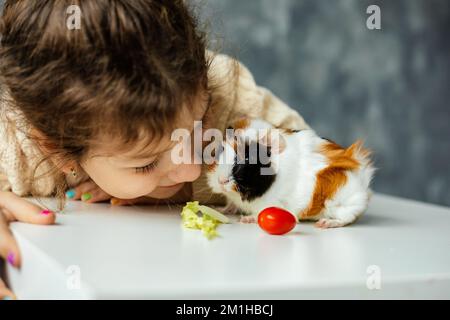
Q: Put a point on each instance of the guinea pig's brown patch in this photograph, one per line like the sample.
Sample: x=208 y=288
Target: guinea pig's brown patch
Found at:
x=242 y=123
x=211 y=167
x=329 y=180
x=340 y=158
x=234 y=188
x=334 y=176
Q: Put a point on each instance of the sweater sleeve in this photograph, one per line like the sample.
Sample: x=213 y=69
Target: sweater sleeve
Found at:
x=23 y=169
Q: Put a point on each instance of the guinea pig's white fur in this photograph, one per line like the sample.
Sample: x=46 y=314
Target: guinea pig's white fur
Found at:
x=312 y=179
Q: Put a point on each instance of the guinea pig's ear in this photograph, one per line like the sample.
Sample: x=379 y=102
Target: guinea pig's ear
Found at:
x=273 y=139
x=241 y=123
x=229 y=134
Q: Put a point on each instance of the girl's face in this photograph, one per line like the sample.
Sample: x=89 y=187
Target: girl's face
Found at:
x=146 y=171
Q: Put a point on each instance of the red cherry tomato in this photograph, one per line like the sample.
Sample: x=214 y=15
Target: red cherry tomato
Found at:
x=277 y=221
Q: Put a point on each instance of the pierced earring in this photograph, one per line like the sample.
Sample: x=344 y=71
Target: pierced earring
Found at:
x=73 y=172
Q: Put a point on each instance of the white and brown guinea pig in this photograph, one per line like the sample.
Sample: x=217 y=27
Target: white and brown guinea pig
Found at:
x=312 y=177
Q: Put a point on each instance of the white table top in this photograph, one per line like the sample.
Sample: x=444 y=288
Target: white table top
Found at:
x=143 y=252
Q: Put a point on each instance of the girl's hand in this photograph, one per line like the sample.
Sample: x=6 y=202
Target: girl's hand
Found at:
x=90 y=192
x=87 y=192
x=14 y=208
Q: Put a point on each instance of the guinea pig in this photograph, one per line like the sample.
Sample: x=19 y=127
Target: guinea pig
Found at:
x=259 y=166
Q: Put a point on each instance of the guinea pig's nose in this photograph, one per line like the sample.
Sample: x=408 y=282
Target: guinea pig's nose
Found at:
x=223 y=180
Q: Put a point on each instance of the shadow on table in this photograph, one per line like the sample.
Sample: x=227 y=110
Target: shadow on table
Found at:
x=377 y=220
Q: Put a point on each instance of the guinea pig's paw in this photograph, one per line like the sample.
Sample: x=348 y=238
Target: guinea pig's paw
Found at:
x=248 y=219
x=230 y=209
x=330 y=223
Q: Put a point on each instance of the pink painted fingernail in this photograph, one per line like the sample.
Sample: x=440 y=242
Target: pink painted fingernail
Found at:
x=45 y=212
x=11 y=258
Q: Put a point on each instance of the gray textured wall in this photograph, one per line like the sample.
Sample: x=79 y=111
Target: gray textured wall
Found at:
x=389 y=86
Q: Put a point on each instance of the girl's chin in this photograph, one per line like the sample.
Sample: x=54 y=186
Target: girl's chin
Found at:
x=166 y=192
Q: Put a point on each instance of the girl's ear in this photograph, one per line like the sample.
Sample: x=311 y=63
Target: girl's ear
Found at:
x=71 y=168
x=275 y=140
x=49 y=149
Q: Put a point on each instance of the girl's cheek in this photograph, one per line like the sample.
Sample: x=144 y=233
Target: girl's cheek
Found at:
x=185 y=173
x=133 y=187
x=144 y=186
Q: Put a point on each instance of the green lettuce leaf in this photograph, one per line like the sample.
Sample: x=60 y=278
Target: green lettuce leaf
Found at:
x=207 y=223
x=214 y=214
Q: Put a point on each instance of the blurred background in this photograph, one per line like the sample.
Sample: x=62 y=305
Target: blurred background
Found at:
x=390 y=87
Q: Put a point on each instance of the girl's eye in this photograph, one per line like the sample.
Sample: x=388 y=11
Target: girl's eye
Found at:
x=148 y=168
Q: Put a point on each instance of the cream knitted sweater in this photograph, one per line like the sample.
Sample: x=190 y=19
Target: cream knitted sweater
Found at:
x=235 y=94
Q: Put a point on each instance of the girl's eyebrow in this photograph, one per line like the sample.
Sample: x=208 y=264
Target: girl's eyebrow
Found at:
x=145 y=155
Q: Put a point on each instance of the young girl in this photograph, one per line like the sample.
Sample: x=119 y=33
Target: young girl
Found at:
x=87 y=113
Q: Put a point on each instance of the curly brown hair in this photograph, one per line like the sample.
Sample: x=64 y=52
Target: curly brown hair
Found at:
x=127 y=70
